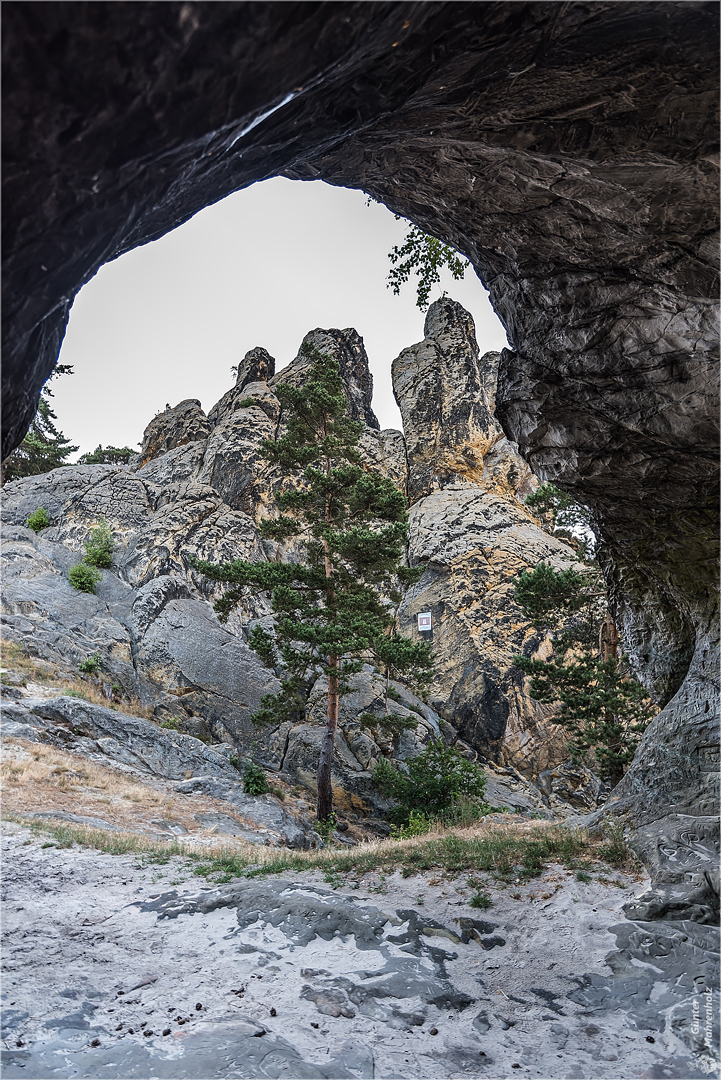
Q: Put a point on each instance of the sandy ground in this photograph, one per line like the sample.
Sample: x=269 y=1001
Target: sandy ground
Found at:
x=118 y=969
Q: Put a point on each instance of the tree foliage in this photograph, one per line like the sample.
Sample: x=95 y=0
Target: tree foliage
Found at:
x=334 y=607
x=603 y=707
x=434 y=779
x=99 y=546
x=425 y=256
x=44 y=447
x=568 y=518
x=107 y=455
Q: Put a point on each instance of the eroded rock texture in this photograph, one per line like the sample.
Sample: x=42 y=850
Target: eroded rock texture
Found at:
x=568 y=150
x=470 y=529
x=198 y=490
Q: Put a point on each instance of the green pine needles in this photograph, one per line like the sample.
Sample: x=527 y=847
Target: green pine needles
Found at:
x=38 y=520
x=335 y=608
x=99 y=546
x=603 y=707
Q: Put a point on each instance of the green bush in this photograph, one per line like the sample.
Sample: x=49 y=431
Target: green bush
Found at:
x=38 y=520
x=84 y=578
x=254 y=779
x=325 y=829
x=418 y=824
x=99 y=546
x=173 y=723
x=90 y=665
x=437 y=777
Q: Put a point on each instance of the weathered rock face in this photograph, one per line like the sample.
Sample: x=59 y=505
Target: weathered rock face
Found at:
x=474 y=536
x=569 y=151
x=185 y=423
x=186 y=497
x=347 y=348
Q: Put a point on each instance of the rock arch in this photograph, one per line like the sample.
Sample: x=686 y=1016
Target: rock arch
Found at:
x=566 y=148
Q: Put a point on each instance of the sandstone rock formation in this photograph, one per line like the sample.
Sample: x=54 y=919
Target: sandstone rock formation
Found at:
x=199 y=488
x=567 y=150
x=470 y=529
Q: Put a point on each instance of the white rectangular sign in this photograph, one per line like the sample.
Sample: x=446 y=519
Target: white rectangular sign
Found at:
x=424 y=621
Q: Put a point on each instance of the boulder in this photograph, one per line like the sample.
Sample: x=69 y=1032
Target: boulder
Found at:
x=128 y=739
x=184 y=423
x=261 y=810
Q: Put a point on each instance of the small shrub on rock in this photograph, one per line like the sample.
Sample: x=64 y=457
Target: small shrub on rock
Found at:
x=172 y=723
x=254 y=779
x=326 y=828
x=90 y=665
x=84 y=578
x=99 y=546
x=38 y=520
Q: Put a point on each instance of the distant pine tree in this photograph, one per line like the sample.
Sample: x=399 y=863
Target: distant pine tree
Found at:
x=44 y=447
x=603 y=707
x=335 y=608
x=107 y=455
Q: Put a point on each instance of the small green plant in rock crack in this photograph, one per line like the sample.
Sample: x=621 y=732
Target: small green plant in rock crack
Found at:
x=583 y=876
x=90 y=665
x=253 y=777
x=173 y=723
x=84 y=578
x=38 y=520
x=99 y=546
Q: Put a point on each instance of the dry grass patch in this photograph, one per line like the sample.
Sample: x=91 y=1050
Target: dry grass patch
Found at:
x=505 y=852
x=38 y=778
x=50 y=676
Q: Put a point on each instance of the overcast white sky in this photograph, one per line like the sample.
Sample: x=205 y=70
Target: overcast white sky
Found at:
x=262 y=267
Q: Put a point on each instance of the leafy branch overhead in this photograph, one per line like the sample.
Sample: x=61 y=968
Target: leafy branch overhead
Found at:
x=425 y=256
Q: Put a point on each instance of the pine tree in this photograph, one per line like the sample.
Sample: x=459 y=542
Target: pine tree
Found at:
x=107 y=455
x=605 y=709
x=44 y=447
x=334 y=608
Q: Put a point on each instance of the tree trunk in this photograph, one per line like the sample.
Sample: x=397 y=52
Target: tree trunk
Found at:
x=325 y=789
x=608 y=639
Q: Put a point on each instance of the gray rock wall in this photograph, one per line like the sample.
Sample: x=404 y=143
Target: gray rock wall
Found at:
x=470 y=529
x=198 y=489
